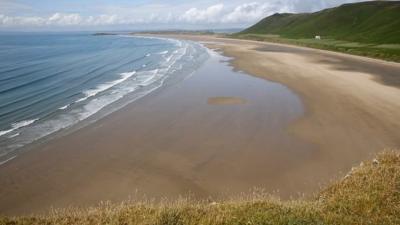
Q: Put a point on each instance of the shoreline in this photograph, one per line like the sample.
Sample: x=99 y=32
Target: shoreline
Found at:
x=355 y=125
x=282 y=44
x=13 y=149
x=349 y=116
x=168 y=140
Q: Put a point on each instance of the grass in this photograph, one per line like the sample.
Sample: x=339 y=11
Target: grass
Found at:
x=389 y=52
x=376 y=22
x=370 y=29
x=369 y=194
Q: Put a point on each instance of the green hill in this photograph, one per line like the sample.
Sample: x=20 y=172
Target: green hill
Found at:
x=365 y=22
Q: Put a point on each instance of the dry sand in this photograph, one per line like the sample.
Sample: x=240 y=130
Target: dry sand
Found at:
x=352 y=111
x=353 y=103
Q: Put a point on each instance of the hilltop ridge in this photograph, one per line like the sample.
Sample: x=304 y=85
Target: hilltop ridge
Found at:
x=365 y=22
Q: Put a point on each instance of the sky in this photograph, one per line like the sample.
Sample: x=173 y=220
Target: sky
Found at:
x=146 y=14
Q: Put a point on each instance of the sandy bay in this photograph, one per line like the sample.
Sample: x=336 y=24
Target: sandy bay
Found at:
x=312 y=115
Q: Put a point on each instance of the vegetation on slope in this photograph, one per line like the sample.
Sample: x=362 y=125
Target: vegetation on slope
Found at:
x=375 y=22
x=369 y=194
x=368 y=28
x=390 y=52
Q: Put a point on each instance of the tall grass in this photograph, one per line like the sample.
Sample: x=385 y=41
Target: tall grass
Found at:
x=369 y=194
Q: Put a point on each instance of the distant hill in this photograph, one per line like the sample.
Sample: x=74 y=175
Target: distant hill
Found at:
x=366 y=22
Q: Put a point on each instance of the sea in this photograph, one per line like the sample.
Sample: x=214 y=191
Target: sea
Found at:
x=50 y=82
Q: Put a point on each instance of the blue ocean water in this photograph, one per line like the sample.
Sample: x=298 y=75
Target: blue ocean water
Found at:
x=52 y=81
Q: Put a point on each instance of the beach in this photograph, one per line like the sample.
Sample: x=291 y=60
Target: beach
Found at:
x=281 y=118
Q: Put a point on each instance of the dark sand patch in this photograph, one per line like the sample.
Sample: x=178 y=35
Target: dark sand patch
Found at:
x=226 y=101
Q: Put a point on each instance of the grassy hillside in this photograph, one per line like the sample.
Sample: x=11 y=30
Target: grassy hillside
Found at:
x=365 y=22
x=368 y=28
x=369 y=194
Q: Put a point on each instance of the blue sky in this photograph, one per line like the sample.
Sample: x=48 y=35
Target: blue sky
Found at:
x=146 y=14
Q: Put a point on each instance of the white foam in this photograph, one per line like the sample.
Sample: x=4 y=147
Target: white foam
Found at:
x=96 y=105
x=177 y=42
x=169 y=58
x=6 y=161
x=13 y=135
x=102 y=87
x=153 y=79
x=147 y=81
x=146 y=77
x=163 y=53
x=17 y=125
x=64 y=107
x=147 y=55
x=177 y=55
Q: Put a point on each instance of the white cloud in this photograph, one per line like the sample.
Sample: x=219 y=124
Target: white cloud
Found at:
x=250 y=12
x=254 y=11
x=211 y=14
x=241 y=14
x=60 y=19
x=20 y=21
x=233 y=12
x=102 y=20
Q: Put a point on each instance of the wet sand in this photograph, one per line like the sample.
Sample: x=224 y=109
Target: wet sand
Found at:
x=192 y=138
x=352 y=103
x=174 y=142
